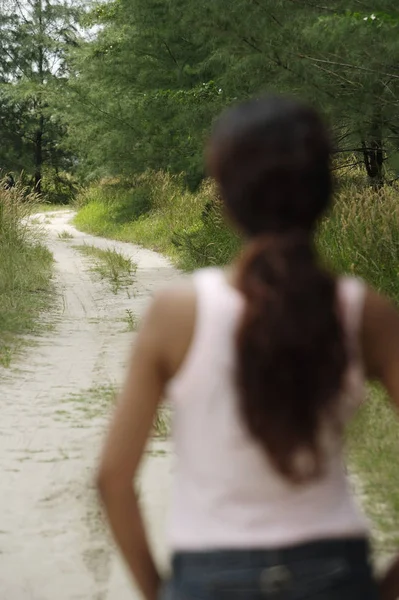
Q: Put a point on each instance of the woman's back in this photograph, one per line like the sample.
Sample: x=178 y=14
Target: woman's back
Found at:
x=264 y=374
x=227 y=494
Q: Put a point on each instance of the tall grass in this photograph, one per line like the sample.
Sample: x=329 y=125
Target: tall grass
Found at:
x=361 y=236
x=167 y=218
x=25 y=270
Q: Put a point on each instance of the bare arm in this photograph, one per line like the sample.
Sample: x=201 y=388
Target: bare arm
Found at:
x=380 y=343
x=158 y=351
x=381 y=356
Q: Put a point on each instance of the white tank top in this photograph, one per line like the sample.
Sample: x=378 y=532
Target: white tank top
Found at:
x=226 y=494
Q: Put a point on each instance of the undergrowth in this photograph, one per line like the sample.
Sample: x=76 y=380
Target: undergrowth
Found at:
x=25 y=271
x=170 y=219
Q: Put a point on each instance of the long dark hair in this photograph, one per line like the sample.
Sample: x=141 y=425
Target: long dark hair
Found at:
x=271 y=160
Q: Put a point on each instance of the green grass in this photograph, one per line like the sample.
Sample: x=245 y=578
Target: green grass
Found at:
x=131 y=320
x=42 y=207
x=92 y=403
x=112 y=266
x=361 y=236
x=171 y=219
x=65 y=235
x=162 y=424
x=373 y=445
x=26 y=268
x=82 y=407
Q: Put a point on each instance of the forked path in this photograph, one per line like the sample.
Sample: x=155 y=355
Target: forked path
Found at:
x=53 y=543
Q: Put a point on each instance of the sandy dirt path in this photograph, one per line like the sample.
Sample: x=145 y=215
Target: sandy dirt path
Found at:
x=54 y=406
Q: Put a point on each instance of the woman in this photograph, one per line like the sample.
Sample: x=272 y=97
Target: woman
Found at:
x=265 y=366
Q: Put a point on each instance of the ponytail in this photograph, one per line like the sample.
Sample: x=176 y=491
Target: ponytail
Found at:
x=291 y=351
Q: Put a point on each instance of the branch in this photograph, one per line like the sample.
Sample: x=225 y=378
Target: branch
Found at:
x=251 y=45
x=346 y=166
x=21 y=12
x=326 y=8
x=150 y=55
x=257 y=3
x=171 y=54
x=21 y=133
x=337 y=75
x=346 y=65
x=279 y=63
x=87 y=102
x=344 y=150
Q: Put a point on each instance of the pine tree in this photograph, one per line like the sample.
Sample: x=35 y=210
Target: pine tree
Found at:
x=149 y=85
x=34 y=38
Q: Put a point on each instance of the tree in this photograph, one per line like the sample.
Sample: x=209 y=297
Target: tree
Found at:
x=34 y=36
x=149 y=85
x=137 y=91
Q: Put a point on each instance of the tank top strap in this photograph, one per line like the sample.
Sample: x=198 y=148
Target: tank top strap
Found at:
x=210 y=314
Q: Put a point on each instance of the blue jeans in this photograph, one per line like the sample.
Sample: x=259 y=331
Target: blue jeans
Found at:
x=324 y=570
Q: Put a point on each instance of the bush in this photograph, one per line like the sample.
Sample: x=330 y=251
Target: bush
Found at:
x=58 y=187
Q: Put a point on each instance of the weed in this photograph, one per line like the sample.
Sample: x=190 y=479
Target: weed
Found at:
x=91 y=403
x=5 y=355
x=131 y=320
x=112 y=266
x=96 y=402
x=65 y=235
x=162 y=424
x=157 y=452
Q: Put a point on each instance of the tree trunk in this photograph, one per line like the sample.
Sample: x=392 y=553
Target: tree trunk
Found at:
x=39 y=155
x=373 y=156
x=373 y=152
x=39 y=131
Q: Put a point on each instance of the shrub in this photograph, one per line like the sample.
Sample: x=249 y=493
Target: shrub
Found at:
x=58 y=187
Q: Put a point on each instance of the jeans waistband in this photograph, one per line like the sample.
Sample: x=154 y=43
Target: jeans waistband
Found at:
x=352 y=549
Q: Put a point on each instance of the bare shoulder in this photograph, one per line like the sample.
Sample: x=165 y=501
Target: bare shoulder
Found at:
x=169 y=323
x=380 y=334
x=173 y=303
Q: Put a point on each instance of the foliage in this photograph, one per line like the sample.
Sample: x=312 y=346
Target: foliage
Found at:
x=115 y=209
x=26 y=269
x=361 y=235
x=58 y=187
x=35 y=38
x=148 y=86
